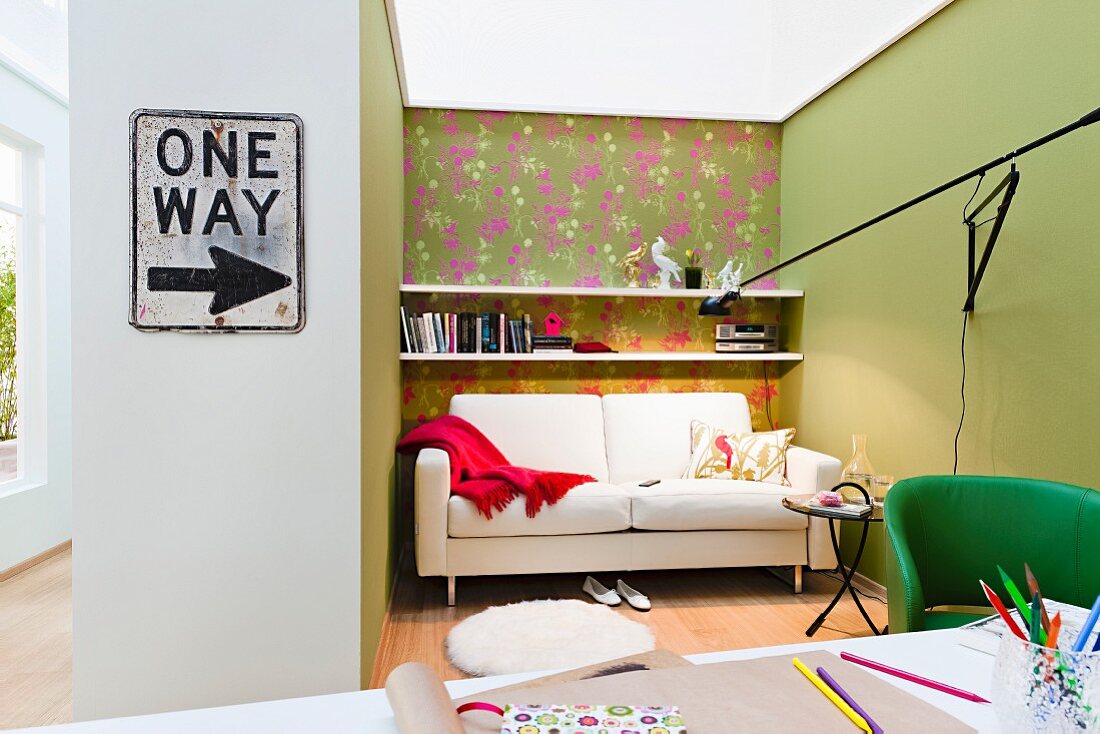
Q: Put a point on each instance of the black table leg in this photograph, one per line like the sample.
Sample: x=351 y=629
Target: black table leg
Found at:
x=846 y=586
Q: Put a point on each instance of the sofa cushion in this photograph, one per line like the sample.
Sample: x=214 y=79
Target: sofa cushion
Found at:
x=712 y=504
x=595 y=507
x=649 y=435
x=549 y=432
x=721 y=454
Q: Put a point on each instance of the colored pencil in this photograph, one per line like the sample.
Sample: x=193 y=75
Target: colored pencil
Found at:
x=913 y=678
x=1001 y=610
x=1086 y=630
x=1055 y=628
x=1021 y=605
x=1036 y=620
x=1017 y=597
x=831 y=682
x=832 y=696
x=1033 y=588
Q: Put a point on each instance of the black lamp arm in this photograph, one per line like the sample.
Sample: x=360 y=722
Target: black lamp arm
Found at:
x=1083 y=121
x=863 y=491
x=974 y=276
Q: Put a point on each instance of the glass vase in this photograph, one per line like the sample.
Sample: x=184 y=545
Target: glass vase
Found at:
x=693 y=277
x=858 y=470
x=1036 y=689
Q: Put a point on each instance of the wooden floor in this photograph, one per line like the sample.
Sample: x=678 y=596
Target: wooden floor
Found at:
x=36 y=644
x=693 y=611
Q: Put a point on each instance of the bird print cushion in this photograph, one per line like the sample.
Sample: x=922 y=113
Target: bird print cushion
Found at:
x=757 y=457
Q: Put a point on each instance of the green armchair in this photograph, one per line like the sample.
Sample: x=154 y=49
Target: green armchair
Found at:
x=945 y=533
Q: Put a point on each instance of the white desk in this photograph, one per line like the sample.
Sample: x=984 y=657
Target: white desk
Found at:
x=934 y=655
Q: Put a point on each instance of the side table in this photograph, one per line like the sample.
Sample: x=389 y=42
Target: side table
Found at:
x=798 y=504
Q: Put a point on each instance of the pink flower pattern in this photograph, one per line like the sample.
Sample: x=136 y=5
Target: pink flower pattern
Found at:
x=531 y=199
x=557 y=186
x=634 y=324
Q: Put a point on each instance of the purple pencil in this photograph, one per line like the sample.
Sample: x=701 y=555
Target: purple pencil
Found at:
x=831 y=682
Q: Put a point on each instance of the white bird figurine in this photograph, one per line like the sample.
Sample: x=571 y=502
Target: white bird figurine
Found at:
x=728 y=279
x=666 y=266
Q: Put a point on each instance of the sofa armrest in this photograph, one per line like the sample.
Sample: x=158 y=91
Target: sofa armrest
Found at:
x=809 y=472
x=432 y=483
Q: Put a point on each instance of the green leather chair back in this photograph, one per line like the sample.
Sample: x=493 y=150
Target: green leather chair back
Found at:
x=945 y=533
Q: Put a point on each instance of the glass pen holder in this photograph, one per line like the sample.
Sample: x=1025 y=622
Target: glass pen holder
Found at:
x=1036 y=689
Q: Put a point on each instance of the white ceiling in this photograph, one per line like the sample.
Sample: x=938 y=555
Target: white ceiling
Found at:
x=710 y=59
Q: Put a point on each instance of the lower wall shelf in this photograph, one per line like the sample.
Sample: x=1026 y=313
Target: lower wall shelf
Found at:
x=610 y=357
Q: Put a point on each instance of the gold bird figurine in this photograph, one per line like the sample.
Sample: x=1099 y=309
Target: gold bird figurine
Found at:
x=629 y=266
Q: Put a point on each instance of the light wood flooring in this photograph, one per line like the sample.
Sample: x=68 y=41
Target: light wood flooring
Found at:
x=36 y=644
x=693 y=611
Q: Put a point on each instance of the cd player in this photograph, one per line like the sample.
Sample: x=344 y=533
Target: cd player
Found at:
x=746 y=346
x=727 y=332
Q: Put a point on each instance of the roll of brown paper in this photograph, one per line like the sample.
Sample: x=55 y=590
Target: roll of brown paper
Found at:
x=420 y=703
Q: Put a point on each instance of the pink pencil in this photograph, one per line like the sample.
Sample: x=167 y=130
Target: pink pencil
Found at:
x=913 y=678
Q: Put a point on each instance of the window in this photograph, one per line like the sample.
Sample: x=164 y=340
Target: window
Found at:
x=12 y=185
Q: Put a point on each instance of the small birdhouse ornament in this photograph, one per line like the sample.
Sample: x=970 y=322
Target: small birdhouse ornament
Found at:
x=553 y=324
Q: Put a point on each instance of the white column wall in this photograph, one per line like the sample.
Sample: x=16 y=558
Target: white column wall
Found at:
x=217 y=478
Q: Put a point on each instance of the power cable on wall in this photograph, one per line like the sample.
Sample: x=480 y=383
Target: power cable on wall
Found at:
x=767 y=397
x=962 y=394
x=962 y=345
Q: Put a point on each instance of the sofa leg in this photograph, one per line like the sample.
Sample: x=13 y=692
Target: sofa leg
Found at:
x=450 y=591
x=793 y=576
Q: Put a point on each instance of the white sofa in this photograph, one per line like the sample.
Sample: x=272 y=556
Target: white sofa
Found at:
x=613 y=524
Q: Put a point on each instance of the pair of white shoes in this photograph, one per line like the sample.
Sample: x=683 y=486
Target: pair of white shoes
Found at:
x=614 y=597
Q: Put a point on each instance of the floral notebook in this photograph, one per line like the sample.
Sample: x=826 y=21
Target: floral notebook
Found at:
x=583 y=719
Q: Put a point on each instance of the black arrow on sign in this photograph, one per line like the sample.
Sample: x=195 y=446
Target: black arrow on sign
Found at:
x=234 y=280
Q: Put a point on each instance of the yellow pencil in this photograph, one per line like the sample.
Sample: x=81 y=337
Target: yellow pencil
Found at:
x=831 y=695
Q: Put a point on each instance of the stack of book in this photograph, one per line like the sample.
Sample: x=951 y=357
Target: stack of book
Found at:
x=551 y=344
x=465 y=333
x=848 y=509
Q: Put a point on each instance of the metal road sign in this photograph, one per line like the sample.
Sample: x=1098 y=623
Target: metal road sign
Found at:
x=216 y=216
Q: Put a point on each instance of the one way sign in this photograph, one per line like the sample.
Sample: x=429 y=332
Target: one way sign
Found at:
x=216 y=214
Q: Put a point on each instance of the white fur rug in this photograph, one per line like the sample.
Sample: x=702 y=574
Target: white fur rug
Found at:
x=544 y=635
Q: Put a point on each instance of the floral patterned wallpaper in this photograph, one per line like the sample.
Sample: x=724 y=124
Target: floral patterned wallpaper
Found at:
x=535 y=200
x=625 y=324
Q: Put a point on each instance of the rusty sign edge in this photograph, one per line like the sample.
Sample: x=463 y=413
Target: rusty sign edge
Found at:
x=299 y=228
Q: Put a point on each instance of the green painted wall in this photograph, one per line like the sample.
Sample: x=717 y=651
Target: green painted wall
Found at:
x=881 y=320
x=381 y=212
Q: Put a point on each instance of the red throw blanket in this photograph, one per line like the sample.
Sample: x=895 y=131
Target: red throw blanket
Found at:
x=481 y=474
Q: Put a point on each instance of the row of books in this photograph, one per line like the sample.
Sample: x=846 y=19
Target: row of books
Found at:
x=471 y=333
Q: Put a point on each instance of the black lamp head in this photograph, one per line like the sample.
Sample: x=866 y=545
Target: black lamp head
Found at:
x=719 y=305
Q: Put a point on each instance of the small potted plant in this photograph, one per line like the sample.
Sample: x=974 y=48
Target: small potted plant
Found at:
x=693 y=273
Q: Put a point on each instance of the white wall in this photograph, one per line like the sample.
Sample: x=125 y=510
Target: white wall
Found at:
x=36 y=513
x=710 y=59
x=216 y=512
x=817 y=44
x=707 y=58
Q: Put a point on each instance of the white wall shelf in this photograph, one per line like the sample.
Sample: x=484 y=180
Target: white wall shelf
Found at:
x=521 y=290
x=608 y=357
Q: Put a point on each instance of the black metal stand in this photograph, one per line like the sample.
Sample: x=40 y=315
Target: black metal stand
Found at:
x=848 y=575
